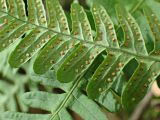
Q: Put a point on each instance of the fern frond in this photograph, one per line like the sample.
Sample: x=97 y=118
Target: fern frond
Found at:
x=110 y=69
x=72 y=53
x=58 y=104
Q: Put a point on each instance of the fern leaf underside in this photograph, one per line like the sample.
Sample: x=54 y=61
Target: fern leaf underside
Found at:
x=45 y=32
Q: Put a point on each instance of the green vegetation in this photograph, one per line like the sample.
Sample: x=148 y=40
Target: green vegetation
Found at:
x=104 y=58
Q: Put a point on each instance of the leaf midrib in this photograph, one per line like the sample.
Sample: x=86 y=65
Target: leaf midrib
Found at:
x=112 y=49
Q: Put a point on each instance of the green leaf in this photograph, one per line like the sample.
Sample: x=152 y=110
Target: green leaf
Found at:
x=104 y=77
x=139 y=84
x=22 y=116
x=72 y=99
x=110 y=101
x=44 y=32
x=110 y=69
x=12 y=84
